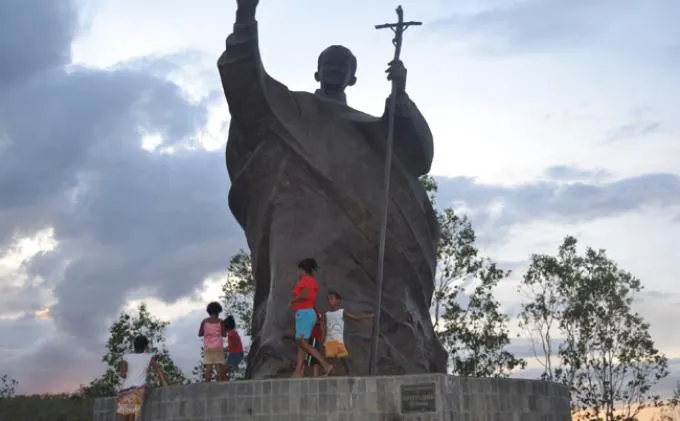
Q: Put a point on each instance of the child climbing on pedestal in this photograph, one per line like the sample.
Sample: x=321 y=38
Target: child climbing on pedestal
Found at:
x=334 y=345
x=133 y=371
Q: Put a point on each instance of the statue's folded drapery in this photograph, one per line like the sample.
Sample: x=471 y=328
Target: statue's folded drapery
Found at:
x=307 y=181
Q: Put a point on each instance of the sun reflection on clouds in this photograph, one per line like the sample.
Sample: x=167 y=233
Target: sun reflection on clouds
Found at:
x=25 y=248
x=43 y=314
x=151 y=141
x=214 y=134
x=21 y=294
x=212 y=137
x=210 y=290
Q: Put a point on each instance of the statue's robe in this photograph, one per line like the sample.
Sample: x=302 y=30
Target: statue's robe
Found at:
x=307 y=181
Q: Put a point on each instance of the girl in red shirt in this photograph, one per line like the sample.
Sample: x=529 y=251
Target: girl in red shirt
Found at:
x=304 y=296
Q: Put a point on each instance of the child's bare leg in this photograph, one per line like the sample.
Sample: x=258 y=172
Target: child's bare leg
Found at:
x=208 y=373
x=299 y=364
x=315 y=370
x=306 y=347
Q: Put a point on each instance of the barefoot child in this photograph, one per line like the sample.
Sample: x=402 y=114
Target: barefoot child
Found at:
x=234 y=346
x=212 y=331
x=133 y=371
x=334 y=345
x=304 y=296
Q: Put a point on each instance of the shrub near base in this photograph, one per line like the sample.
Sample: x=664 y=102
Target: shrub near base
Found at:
x=46 y=408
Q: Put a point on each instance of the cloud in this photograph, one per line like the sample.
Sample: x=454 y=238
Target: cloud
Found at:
x=123 y=218
x=529 y=24
x=56 y=365
x=499 y=207
x=633 y=131
x=35 y=35
x=19 y=298
x=26 y=330
x=569 y=173
x=544 y=25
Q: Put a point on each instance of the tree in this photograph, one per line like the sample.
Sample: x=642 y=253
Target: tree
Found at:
x=431 y=187
x=671 y=408
x=606 y=355
x=467 y=317
x=122 y=335
x=238 y=294
x=7 y=386
x=238 y=291
x=542 y=314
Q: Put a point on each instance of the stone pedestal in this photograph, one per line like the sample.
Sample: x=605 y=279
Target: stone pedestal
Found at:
x=429 y=397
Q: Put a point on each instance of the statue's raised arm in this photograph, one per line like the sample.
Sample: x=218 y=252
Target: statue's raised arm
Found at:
x=243 y=76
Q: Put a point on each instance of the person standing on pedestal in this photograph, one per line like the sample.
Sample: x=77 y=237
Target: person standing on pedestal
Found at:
x=334 y=342
x=212 y=331
x=234 y=347
x=303 y=304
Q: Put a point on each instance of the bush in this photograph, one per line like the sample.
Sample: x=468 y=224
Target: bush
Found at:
x=63 y=407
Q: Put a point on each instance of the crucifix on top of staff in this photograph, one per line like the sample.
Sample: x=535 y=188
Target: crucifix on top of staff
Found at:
x=398 y=28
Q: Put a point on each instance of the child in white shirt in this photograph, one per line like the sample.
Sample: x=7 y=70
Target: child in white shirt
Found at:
x=133 y=371
x=334 y=343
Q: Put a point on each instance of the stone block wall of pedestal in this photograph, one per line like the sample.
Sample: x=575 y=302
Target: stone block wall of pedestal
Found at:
x=430 y=397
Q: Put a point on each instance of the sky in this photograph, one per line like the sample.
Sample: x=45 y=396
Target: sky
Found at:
x=549 y=118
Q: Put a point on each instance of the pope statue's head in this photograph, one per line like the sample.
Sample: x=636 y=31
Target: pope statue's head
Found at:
x=336 y=69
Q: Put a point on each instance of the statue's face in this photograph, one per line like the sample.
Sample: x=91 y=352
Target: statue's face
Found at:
x=336 y=68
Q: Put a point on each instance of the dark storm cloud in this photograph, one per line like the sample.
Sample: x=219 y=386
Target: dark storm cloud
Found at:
x=34 y=35
x=125 y=218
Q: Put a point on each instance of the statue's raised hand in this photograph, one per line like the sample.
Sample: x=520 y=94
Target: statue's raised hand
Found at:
x=245 y=12
x=247 y=5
